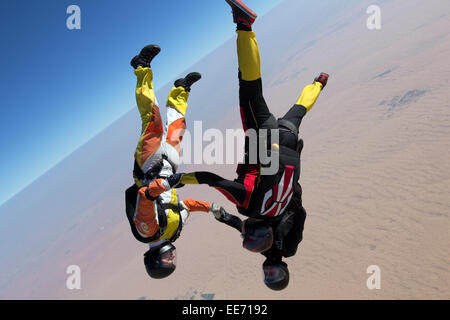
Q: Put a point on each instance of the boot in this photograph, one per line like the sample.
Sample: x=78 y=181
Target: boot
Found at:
x=323 y=79
x=242 y=15
x=145 y=57
x=188 y=81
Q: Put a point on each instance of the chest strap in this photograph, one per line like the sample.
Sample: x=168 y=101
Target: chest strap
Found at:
x=162 y=207
x=151 y=174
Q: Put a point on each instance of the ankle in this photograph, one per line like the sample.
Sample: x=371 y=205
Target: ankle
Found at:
x=242 y=27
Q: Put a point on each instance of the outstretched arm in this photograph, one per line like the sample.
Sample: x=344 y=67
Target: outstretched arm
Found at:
x=236 y=192
x=222 y=216
x=232 y=221
x=193 y=205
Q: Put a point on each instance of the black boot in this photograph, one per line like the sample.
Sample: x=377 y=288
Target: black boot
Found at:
x=145 y=57
x=188 y=81
x=323 y=79
x=243 y=16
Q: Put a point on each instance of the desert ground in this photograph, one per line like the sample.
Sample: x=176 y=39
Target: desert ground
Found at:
x=375 y=171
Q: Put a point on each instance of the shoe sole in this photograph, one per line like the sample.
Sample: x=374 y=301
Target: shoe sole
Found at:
x=243 y=7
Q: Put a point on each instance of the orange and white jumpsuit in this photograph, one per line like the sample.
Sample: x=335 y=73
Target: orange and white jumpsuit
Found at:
x=157 y=146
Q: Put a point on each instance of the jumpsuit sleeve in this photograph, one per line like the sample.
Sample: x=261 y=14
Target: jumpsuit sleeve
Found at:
x=157 y=187
x=202 y=206
x=193 y=205
x=232 y=221
x=236 y=192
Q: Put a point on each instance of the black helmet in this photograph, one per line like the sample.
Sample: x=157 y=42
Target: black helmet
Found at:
x=276 y=274
x=160 y=261
x=257 y=235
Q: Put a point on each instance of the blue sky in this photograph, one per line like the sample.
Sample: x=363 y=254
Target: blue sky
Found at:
x=61 y=87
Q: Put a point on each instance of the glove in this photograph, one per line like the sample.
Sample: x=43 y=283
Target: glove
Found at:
x=217 y=211
x=174 y=180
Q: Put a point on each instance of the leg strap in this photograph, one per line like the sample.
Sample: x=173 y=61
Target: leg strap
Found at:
x=288 y=125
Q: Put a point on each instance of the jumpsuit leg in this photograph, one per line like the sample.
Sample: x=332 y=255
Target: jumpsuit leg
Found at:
x=232 y=221
x=176 y=126
x=152 y=128
x=176 y=112
x=254 y=114
x=295 y=115
x=144 y=220
x=254 y=110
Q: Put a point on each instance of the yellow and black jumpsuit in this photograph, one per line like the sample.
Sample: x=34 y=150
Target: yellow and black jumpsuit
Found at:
x=245 y=191
x=157 y=155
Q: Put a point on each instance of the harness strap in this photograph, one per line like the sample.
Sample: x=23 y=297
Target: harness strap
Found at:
x=150 y=174
x=162 y=207
x=149 y=197
x=283 y=229
x=174 y=207
x=130 y=206
x=288 y=125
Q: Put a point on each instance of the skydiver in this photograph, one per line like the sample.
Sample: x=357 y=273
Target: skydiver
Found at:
x=273 y=202
x=158 y=221
x=281 y=237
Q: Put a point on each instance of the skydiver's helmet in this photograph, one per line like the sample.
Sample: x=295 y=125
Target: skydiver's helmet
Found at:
x=276 y=274
x=161 y=261
x=257 y=235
